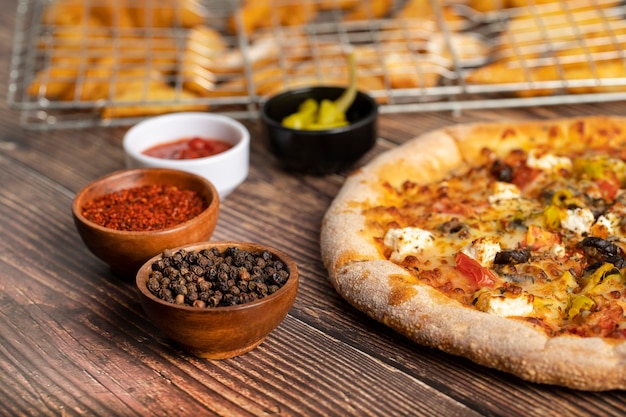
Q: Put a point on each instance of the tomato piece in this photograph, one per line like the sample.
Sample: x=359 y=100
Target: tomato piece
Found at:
x=537 y=237
x=524 y=175
x=444 y=205
x=480 y=275
x=608 y=187
x=611 y=317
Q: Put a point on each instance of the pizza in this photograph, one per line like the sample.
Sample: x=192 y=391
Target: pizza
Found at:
x=504 y=243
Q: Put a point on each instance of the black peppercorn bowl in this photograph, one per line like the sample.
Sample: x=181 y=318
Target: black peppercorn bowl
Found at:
x=125 y=251
x=319 y=151
x=219 y=332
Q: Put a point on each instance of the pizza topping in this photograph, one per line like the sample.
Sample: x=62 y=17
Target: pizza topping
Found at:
x=606 y=274
x=537 y=238
x=524 y=176
x=557 y=251
x=564 y=197
x=502 y=171
x=535 y=235
x=600 y=250
x=552 y=217
x=607 y=174
x=479 y=275
x=600 y=167
x=548 y=162
x=512 y=257
x=504 y=191
x=454 y=226
x=483 y=250
x=504 y=306
x=407 y=241
x=580 y=303
x=578 y=220
x=600 y=246
x=604 y=225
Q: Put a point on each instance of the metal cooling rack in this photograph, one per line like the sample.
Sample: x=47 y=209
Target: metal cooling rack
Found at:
x=407 y=64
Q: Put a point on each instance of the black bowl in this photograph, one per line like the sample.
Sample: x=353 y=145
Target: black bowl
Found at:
x=319 y=151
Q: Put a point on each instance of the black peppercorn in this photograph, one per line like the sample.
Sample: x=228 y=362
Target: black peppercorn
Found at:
x=154 y=284
x=204 y=285
x=209 y=278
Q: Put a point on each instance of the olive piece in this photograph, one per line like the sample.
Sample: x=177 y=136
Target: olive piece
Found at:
x=502 y=171
x=511 y=257
x=601 y=250
x=602 y=245
x=453 y=226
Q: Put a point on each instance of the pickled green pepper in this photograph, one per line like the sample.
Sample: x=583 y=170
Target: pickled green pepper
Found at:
x=327 y=114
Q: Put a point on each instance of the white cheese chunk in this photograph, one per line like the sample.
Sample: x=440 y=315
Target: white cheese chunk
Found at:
x=578 y=220
x=548 y=162
x=608 y=221
x=483 y=250
x=557 y=251
x=509 y=307
x=407 y=241
x=502 y=191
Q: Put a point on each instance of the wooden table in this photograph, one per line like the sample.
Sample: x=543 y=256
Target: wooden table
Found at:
x=74 y=340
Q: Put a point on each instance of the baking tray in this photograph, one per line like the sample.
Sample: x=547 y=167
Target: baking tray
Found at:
x=409 y=60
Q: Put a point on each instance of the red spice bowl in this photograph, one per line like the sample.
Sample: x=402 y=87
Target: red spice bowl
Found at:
x=218 y=332
x=146 y=231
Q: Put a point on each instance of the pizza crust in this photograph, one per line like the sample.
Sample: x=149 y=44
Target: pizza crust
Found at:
x=431 y=319
x=387 y=293
x=575 y=133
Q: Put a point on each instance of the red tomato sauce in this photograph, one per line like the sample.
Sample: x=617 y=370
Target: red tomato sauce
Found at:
x=188 y=148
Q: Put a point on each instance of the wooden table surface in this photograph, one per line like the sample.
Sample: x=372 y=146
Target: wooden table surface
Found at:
x=74 y=340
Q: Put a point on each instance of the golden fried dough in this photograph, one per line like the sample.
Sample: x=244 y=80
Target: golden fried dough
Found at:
x=337 y=4
x=69 y=12
x=103 y=81
x=166 y=13
x=54 y=81
x=373 y=9
x=156 y=98
x=486 y=6
x=511 y=72
x=202 y=45
x=422 y=10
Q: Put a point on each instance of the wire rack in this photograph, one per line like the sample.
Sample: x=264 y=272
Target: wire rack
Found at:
x=79 y=63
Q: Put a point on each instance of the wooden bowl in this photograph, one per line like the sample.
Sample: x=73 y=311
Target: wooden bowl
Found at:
x=126 y=251
x=220 y=332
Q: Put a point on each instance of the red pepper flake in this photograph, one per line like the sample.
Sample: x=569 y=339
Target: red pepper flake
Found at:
x=149 y=207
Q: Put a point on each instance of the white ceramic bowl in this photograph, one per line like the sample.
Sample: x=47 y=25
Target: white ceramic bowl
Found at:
x=225 y=170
